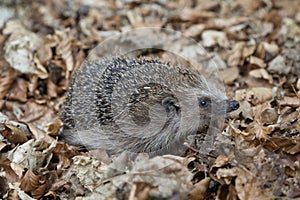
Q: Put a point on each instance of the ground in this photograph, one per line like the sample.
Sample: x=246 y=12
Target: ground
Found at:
x=255 y=45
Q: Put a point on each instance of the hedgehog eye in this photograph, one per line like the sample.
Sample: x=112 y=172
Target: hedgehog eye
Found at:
x=203 y=102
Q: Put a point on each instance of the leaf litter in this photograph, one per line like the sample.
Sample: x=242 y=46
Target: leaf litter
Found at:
x=256 y=44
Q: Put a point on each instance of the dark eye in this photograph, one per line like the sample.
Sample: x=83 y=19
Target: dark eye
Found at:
x=203 y=102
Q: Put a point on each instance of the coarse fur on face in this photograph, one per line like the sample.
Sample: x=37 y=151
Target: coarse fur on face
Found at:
x=138 y=105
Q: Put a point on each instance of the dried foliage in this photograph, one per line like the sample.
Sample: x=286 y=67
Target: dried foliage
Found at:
x=256 y=44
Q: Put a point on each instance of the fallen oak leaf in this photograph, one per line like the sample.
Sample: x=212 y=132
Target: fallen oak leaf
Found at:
x=30 y=181
x=6 y=80
x=14 y=134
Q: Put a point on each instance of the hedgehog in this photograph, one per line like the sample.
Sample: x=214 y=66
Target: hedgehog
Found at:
x=139 y=105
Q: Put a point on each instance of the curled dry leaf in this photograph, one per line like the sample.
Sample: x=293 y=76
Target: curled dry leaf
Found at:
x=193 y=15
x=288 y=145
x=32 y=111
x=29 y=157
x=289 y=120
x=267 y=50
x=39 y=134
x=290 y=101
x=15 y=192
x=250 y=6
x=164 y=176
x=64 y=49
x=230 y=74
x=194 y=30
x=19 y=91
x=14 y=134
x=255 y=95
x=51 y=89
x=30 y=181
x=261 y=132
x=200 y=189
x=278 y=65
x=298 y=84
x=212 y=37
x=235 y=57
x=246 y=135
x=261 y=73
x=259 y=95
x=40 y=191
x=257 y=62
x=6 y=80
x=20 y=47
x=248 y=187
x=54 y=127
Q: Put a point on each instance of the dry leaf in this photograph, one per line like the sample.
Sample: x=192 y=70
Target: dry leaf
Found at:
x=261 y=73
x=30 y=181
x=290 y=101
x=14 y=134
x=200 y=189
x=259 y=95
x=39 y=134
x=6 y=80
x=20 y=47
x=277 y=65
x=194 y=30
x=211 y=38
x=64 y=49
x=235 y=58
x=230 y=74
x=19 y=91
x=54 y=127
x=32 y=111
x=257 y=62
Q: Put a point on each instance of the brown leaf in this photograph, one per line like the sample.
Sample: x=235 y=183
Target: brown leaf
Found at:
x=44 y=53
x=235 y=58
x=39 y=134
x=6 y=80
x=250 y=6
x=54 y=127
x=277 y=65
x=261 y=73
x=14 y=134
x=230 y=74
x=192 y=14
x=64 y=49
x=30 y=181
x=211 y=38
x=257 y=61
x=259 y=95
x=19 y=91
x=288 y=145
x=200 y=189
x=3 y=186
x=261 y=132
x=40 y=191
x=51 y=89
x=248 y=187
x=194 y=30
x=10 y=174
x=290 y=101
x=32 y=111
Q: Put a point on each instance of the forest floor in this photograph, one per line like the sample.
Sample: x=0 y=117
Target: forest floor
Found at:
x=255 y=46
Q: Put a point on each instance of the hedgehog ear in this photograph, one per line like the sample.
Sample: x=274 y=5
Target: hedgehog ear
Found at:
x=171 y=104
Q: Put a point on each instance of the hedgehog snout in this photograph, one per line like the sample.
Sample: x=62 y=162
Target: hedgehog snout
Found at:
x=232 y=105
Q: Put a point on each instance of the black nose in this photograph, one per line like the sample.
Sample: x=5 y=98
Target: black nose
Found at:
x=232 y=105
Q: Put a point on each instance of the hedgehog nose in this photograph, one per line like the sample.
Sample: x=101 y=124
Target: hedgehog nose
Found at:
x=232 y=105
